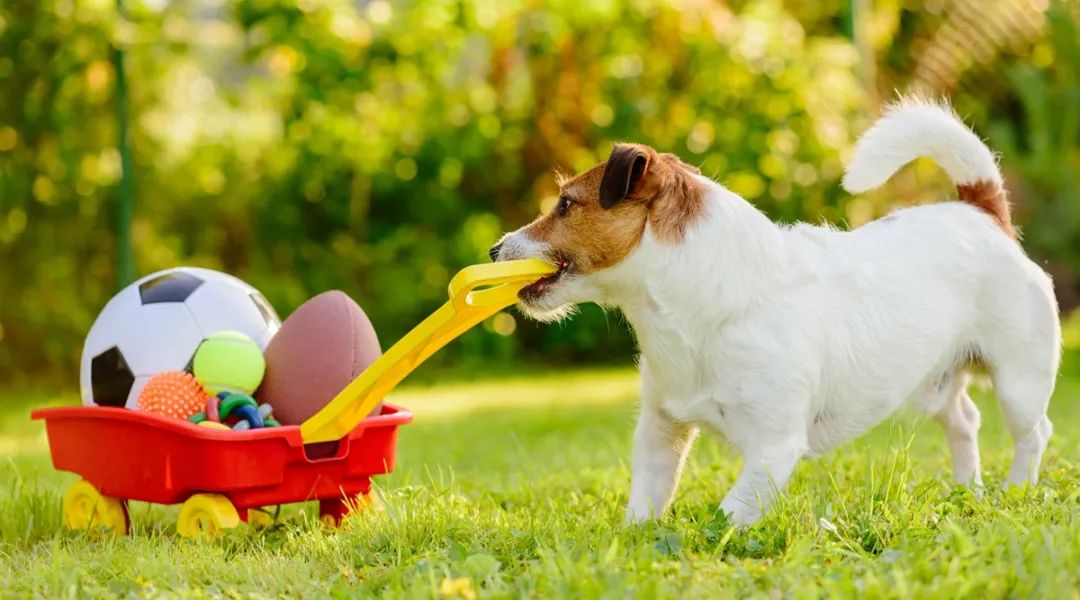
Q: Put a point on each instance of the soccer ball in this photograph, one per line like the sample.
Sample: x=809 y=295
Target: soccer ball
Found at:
x=157 y=323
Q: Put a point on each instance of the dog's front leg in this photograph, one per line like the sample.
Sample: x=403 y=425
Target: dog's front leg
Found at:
x=765 y=472
x=660 y=448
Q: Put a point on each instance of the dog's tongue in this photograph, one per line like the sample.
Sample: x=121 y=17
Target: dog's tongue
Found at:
x=538 y=286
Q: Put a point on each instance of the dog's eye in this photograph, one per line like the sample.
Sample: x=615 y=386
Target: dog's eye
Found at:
x=564 y=205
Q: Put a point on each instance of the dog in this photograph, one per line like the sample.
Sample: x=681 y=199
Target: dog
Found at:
x=790 y=340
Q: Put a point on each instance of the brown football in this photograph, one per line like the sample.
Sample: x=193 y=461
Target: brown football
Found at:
x=320 y=348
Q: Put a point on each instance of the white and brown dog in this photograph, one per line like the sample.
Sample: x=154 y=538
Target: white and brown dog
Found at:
x=790 y=340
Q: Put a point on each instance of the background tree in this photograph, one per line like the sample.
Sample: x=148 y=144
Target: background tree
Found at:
x=376 y=147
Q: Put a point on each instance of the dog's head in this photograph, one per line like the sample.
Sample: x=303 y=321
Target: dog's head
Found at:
x=599 y=220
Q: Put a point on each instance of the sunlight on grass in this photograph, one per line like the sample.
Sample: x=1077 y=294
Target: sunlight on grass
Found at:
x=17 y=442
x=580 y=388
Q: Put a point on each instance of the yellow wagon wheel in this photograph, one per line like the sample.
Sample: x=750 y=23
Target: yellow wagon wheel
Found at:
x=259 y=517
x=204 y=515
x=85 y=509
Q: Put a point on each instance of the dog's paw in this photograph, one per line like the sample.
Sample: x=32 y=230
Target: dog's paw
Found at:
x=635 y=515
x=741 y=515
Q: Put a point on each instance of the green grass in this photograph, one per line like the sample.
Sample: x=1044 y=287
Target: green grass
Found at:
x=516 y=486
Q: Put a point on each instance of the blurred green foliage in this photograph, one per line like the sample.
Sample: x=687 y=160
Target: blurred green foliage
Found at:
x=1040 y=150
x=378 y=146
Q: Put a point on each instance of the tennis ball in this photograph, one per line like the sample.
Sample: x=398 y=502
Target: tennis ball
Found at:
x=229 y=361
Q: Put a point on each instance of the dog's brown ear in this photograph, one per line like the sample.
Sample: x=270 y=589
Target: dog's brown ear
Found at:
x=625 y=167
x=678 y=161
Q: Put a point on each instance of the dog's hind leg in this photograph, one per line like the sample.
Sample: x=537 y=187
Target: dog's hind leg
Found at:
x=1022 y=349
x=1024 y=393
x=960 y=419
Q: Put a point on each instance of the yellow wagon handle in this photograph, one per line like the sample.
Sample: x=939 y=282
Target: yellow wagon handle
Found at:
x=476 y=293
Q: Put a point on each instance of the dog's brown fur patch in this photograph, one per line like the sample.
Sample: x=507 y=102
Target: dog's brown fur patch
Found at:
x=591 y=238
x=682 y=203
x=990 y=198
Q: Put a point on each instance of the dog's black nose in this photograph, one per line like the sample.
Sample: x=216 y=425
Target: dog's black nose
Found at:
x=494 y=252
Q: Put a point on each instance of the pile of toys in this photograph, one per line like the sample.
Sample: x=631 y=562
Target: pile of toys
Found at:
x=205 y=347
x=227 y=369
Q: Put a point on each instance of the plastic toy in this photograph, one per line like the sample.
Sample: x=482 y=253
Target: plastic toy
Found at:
x=172 y=394
x=213 y=408
x=320 y=348
x=220 y=477
x=155 y=324
x=213 y=425
x=267 y=413
x=229 y=361
x=241 y=410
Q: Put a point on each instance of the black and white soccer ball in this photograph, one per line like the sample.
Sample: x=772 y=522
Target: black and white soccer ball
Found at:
x=157 y=323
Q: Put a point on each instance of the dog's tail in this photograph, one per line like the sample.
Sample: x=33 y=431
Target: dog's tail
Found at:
x=914 y=128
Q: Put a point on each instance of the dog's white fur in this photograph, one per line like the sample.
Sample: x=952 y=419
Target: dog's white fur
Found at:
x=791 y=340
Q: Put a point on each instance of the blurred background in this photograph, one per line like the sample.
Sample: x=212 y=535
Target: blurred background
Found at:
x=376 y=147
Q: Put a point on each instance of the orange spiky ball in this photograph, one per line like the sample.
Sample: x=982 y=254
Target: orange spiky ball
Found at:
x=173 y=394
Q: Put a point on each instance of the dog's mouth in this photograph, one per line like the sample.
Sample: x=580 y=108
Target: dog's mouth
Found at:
x=542 y=285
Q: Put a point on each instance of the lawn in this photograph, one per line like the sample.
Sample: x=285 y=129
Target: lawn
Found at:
x=515 y=486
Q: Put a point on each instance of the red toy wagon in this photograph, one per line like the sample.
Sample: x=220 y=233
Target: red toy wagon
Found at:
x=220 y=476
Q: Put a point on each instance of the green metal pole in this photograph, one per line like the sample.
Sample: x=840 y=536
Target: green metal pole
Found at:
x=125 y=207
x=855 y=28
x=849 y=21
